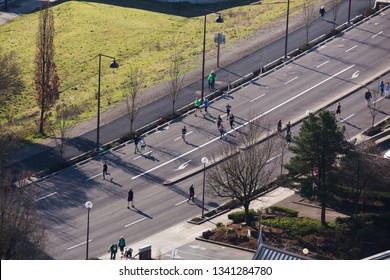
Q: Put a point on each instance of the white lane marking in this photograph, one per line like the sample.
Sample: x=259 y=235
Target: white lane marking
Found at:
x=45 y=196
x=379 y=33
x=82 y=243
x=180 y=136
x=181 y=202
x=257 y=97
x=289 y=81
x=244 y=124
x=275 y=157
x=350 y=49
x=184 y=165
x=142 y=155
x=356 y=74
x=347 y=118
x=135 y=222
x=378 y=100
x=322 y=64
x=94 y=176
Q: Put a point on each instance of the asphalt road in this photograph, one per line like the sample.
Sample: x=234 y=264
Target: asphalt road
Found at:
x=47 y=156
x=317 y=79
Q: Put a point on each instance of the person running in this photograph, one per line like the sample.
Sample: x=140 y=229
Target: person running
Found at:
x=211 y=79
x=382 y=87
x=338 y=110
x=231 y=121
x=130 y=196
x=183 y=134
x=280 y=126
x=197 y=103
x=105 y=170
x=113 y=249
x=136 y=141
x=368 y=97
x=222 y=130
x=289 y=138
x=121 y=244
x=206 y=106
x=228 y=107
x=191 y=194
x=219 y=121
x=143 y=144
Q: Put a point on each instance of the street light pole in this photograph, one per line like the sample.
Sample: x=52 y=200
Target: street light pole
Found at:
x=285 y=45
x=349 y=13
x=88 y=205
x=204 y=161
x=219 y=19
x=113 y=64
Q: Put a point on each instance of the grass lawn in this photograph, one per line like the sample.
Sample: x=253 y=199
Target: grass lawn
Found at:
x=143 y=39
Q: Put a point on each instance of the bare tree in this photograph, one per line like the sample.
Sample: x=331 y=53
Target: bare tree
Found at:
x=11 y=82
x=132 y=90
x=46 y=78
x=335 y=9
x=309 y=15
x=374 y=106
x=61 y=126
x=245 y=171
x=176 y=76
x=22 y=232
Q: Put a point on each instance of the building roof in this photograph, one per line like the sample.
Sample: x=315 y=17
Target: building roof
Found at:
x=266 y=252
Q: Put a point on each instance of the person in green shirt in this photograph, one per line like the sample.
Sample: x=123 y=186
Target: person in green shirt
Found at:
x=211 y=80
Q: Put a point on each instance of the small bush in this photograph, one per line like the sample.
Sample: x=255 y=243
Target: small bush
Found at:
x=373 y=130
x=239 y=216
x=285 y=211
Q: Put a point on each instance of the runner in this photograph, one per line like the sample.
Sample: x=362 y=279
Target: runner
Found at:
x=136 y=141
x=219 y=121
x=280 y=126
x=143 y=144
x=368 y=97
x=228 y=107
x=183 y=134
x=197 y=103
x=338 y=110
x=222 y=130
x=231 y=121
x=206 y=106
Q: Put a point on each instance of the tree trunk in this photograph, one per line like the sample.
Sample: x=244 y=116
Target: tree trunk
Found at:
x=247 y=216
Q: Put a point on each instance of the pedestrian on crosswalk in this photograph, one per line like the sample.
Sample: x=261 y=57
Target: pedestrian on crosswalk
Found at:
x=130 y=197
x=183 y=134
x=105 y=170
x=219 y=121
x=338 y=110
x=231 y=121
x=191 y=194
x=228 y=107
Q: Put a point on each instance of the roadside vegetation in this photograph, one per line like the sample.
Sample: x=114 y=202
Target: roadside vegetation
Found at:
x=140 y=39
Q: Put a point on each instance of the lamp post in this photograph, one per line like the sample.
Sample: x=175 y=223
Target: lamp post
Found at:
x=204 y=160
x=88 y=205
x=219 y=19
x=349 y=12
x=285 y=45
x=113 y=64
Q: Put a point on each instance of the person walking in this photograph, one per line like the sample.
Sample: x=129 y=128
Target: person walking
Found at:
x=113 y=249
x=130 y=197
x=231 y=121
x=382 y=87
x=322 y=11
x=387 y=89
x=122 y=244
x=228 y=107
x=279 y=127
x=143 y=144
x=368 y=97
x=206 y=106
x=288 y=126
x=105 y=170
x=222 y=130
x=197 y=103
x=191 y=194
x=338 y=110
x=211 y=79
x=128 y=253
x=136 y=141
x=183 y=134
x=219 y=121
